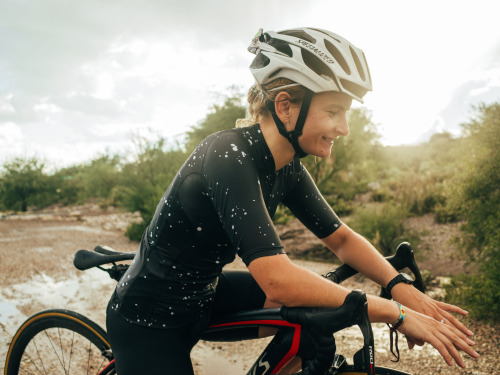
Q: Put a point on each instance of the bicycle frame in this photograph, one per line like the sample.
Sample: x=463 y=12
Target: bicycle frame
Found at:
x=294 y=324
x=272 y=359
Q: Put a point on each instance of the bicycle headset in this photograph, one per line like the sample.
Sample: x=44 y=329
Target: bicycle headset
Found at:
x=317 y=59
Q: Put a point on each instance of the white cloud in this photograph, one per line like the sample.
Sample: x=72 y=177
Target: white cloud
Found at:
x=6 y=105
x=11 y=139
x=94 y=71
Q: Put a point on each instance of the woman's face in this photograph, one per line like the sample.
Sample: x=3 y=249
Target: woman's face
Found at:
x=325 y=122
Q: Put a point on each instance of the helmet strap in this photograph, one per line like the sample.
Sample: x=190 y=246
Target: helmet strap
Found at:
x=293 y=135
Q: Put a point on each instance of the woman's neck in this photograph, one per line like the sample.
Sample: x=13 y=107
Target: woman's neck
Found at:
x=281 y=149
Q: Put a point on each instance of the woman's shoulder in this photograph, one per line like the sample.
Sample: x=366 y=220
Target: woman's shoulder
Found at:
x=231 y=138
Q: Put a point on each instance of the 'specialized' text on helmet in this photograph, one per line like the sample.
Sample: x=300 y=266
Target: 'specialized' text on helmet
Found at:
x=314 y=58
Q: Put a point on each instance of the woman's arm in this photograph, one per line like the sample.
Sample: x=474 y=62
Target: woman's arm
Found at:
x=354 y=250
x=288 y=284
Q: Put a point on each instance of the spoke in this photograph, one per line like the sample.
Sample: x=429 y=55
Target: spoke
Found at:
x=61 y=346
x=88 y=360
x=55 y=351
x=38 y=354
x=102 y=363
x=71 y=352
x=30 y=361
x=25 y=371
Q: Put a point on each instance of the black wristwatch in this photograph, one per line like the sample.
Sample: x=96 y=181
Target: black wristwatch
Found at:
x=401 y=278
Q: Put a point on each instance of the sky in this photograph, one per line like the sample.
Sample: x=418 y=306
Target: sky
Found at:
x=81 y=78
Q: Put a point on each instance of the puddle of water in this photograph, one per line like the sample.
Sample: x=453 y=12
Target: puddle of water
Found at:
x=8 y=311
x=43 y=249
x=80 y=228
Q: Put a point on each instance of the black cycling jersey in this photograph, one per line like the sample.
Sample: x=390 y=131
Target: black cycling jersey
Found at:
x=219 y=204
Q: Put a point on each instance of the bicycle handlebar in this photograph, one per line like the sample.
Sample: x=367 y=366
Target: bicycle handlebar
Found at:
x=323 y=322
x=403 y=258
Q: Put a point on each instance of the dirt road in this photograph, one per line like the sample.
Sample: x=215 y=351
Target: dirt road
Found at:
x=36 y=272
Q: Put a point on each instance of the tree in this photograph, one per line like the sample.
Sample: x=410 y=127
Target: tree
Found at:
x=480 y=204
x=144 y=180
x=219 y=118
x=21 y=182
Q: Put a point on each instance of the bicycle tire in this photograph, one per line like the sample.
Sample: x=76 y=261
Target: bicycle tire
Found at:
x=59 y=342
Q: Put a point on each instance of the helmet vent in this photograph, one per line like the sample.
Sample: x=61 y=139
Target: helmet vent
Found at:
x=281 y=46
x=353 y=88
x=274 y=73
x=319 y=67
x=299 y=34
x=337 y=56
x=260 y=61
x=358 y=64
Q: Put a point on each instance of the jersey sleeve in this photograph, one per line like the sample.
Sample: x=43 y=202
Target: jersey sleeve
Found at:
x=235 y=192
x=310 y=207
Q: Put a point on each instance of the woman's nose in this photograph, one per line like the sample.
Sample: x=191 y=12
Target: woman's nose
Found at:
x=342 y=127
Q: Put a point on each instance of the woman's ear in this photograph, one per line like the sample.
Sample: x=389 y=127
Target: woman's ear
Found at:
x=282 y=107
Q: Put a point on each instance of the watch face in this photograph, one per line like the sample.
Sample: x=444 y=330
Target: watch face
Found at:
x=406 y=277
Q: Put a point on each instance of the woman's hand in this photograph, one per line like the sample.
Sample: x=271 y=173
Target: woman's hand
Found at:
x=448 y=340
x=439 y=311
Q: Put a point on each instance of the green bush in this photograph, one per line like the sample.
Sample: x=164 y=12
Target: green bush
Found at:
x=341 y=206
x=283 y=215
x=480 y=292
x=143 y=181
x=382 y=225
x=445 y=213
x=24 y=183
x=479 y=200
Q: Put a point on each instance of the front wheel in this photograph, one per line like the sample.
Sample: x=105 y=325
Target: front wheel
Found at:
x=59 y=342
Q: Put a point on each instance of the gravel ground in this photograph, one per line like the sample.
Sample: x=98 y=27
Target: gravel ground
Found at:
x=36 y=272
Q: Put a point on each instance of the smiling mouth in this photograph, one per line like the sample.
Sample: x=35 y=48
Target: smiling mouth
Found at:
x=329 y=140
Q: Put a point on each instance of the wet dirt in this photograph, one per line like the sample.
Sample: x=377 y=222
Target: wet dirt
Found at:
x=36 y=273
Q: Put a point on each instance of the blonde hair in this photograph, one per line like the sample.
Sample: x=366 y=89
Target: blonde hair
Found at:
x=259 y=96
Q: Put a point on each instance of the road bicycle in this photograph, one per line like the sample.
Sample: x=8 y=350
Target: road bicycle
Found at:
x=59 y=341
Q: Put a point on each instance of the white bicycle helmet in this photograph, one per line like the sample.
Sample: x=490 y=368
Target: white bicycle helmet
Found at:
x=316 y=59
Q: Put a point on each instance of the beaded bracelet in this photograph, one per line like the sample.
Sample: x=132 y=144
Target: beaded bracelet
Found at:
x=393 y=330
x=402 y=316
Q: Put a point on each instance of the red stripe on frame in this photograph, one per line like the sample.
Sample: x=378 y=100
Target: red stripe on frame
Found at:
x=295 y=342
x=292 y=352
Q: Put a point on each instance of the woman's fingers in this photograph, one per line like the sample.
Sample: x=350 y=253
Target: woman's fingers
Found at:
x=463 y=335
x=451 y=320
x=445 y=337
x=451 y=308
x=451 y=341
x=447 y=349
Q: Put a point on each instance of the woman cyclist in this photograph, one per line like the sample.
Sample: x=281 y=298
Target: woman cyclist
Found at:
x=221 y=203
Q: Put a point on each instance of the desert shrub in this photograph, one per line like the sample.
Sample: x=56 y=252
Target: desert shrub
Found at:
x=446 y=213
x=381 y=194
x=144 y=180
x=341 y=206
x=24 y=183
x=479 y=199
x=283 y=215
x=382 y=225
